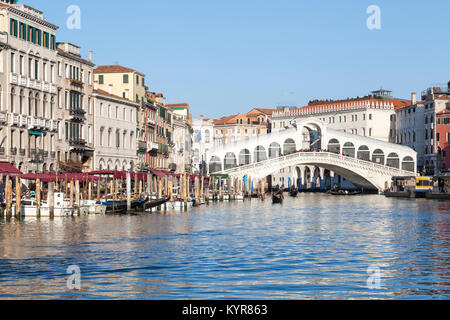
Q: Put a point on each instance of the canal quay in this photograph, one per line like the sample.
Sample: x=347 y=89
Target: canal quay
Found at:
x=314 y=246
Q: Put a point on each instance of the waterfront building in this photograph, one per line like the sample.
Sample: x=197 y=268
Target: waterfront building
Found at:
x=182 y=138
x=28 y=90
x=164 y=131
x=75 y=110
x=128 y=84
x=115 y=125
x=416 y=127
x=150 y=121
x=369 y=116
x=443 y=138
x=240 y=127
x=203 y=130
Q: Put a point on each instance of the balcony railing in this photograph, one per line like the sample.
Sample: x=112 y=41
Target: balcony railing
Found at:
x=77 y=83
x=36 y=155
x=45 y=154
x=13 y=151
x=3 y=117
x=2 y=151
x=142 y=146
x=77 y=112
x=22 y=152
x=77 y=143
x=53 y=154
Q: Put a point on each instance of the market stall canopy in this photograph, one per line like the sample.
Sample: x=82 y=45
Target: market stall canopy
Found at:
x=8 y=169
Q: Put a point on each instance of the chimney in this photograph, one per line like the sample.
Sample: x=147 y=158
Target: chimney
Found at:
x=110 y=89
x=91 y=56
x=96 y=85
x=413 y=98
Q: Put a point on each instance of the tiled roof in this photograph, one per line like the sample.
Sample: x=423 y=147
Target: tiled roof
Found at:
x=113 y=69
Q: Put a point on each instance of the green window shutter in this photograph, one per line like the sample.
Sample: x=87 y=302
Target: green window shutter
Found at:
x=100 y=79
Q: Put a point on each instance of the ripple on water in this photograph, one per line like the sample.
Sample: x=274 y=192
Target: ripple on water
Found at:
x=313 y=247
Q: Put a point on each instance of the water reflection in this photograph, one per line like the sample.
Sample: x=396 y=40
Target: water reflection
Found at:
x=314 y=247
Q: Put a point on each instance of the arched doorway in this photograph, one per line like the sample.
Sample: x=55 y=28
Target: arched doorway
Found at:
x=364 y=153
x=245 y=157
x=393 y=160
x=215 y=165
x=289 y=147
x=230 y=161
x=334 y=146
x=349 y=150
x=260 y=154
x=378 y=156
x=274 y=150
x=408 y=164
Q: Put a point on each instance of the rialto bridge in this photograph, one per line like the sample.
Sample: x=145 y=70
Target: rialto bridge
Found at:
x=315 y=155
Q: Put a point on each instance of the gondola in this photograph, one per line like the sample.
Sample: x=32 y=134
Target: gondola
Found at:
x=344 y=193
x=121 y=207
x=293 y=192
x=277 y=197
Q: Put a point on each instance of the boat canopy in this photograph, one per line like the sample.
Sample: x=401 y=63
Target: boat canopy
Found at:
x=8 y=169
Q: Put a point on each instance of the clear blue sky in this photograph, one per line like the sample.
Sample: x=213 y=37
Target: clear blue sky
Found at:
x=225 y=57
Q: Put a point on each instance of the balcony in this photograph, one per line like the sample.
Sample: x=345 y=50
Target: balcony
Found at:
x=152 y=146
x=76 y=83
x=3 y=117
x=142 y=146
x=2 y=151
x=15 y=119
x=23 y=121
x=151 y=122
x=14 y=78
x=13 y=152
x=53 y=154
x=78 y=114
x=77 y=143
x=36 y=155
x=22 y=152
x=54 y=125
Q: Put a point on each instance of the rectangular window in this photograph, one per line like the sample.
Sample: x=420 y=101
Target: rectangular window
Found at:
x=52 y=42
x=23 y=31
x=36 y=70
x=13 y=63
x=13 y=27
x=125 y=78
x=137 y=79
x=38 y=36
x=100 y=79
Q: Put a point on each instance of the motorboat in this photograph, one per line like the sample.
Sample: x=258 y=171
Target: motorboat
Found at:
x=29 y=209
